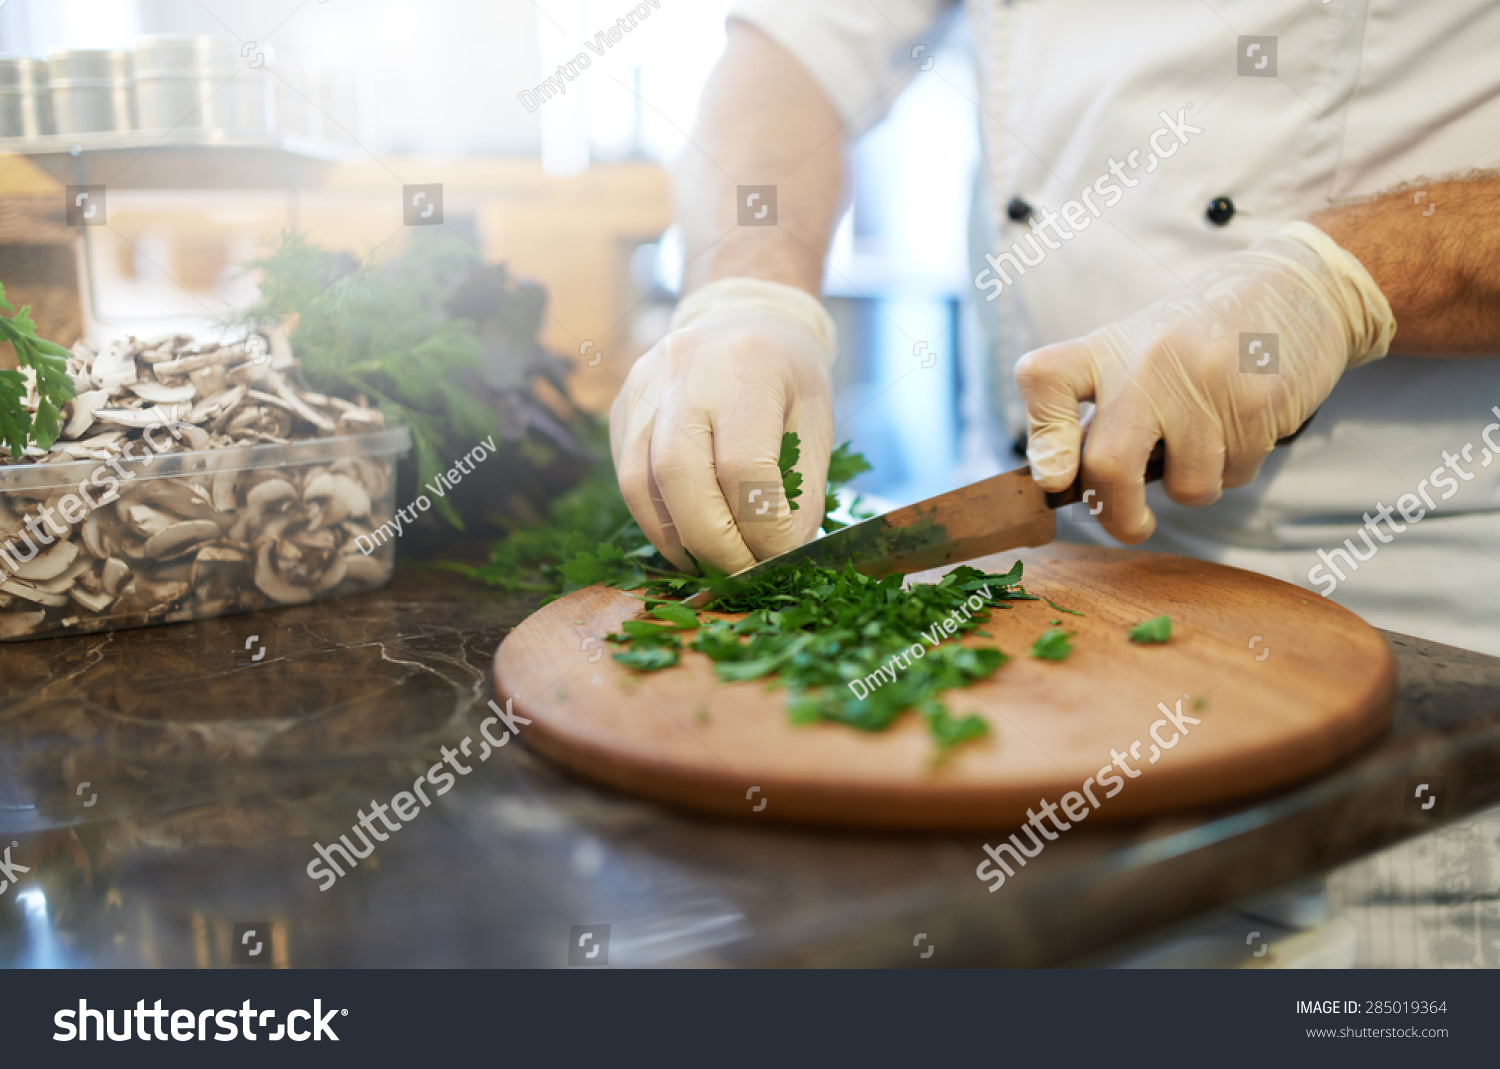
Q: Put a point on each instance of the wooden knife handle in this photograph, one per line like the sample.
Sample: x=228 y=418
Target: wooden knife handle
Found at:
x=1156 y=464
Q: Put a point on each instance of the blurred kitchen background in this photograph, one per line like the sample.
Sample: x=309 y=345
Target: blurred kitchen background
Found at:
x=321 y=111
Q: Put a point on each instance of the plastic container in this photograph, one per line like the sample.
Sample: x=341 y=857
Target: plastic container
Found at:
x=141 y=538
x=199 y=84
x=25 y=98
x=91 y=90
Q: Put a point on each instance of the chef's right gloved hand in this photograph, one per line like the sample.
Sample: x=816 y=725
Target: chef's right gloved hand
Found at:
x=696 y=429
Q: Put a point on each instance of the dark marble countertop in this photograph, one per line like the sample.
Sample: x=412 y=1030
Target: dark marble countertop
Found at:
x=163 y=786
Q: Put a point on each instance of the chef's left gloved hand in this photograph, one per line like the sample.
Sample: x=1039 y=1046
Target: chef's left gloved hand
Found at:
x=1173 y=372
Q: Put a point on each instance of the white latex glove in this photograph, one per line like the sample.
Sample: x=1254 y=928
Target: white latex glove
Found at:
x=1172 y=372
x=701 y=416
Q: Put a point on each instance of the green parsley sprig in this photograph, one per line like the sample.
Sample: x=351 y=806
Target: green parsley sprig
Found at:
x=48 y=363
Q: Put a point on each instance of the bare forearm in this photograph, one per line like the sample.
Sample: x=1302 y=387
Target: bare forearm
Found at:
x=1436 y=257
x=764 y=121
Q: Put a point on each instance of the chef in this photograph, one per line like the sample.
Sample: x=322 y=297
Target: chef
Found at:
x=1215 y=223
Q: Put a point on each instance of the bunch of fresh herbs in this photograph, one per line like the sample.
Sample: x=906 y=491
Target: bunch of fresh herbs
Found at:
x=48 y=364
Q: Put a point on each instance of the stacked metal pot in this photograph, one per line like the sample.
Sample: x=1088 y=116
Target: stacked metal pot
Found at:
x=186 y=84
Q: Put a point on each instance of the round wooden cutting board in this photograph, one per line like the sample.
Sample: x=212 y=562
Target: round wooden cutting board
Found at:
x=1265 y=684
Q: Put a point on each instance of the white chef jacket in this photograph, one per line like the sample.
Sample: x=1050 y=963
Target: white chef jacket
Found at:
x=1368 y=95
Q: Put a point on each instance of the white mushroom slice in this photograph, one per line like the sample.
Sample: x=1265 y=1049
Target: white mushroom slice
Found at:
x=287 y=394
x=31 y=593
x=116 y=573
x=272 y=494
x=208 y=381
x=197 y=437
x=343 y=498
x=323 y=539
x=94 y=535
x=216 y=404
x=225 y=490
x=273 y=585
x=161 y=394
x=157 y=595
x=361 y=421
x=114 y=368
x=81 y=410
x=179 y=496
x=180 y=538
x=62 y=583
x=89 y=577
x=219 y=571
x=368 y=474
x=193 y=361
x=245 y=374
x=50 y=563
x=366 y=571
x=138 y=418
x=334 y=575
x=94 y=603
x=147 y=521
x=20 y=624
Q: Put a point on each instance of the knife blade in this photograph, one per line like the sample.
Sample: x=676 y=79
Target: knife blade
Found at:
x=1003 y=512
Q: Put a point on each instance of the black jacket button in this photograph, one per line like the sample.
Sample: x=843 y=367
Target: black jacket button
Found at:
x=1018 y=210
x=1220 y=211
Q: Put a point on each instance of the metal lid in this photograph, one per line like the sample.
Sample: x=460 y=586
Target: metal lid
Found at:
x=185 y=54
x=22 y=73
x=89 y=65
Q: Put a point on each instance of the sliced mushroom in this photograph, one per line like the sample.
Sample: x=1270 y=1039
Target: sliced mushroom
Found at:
x=216 y=404
x=141 y=418
x=31 y=593
x=341 y=497
x=226 y=490
x=271 y=584
x=161 y=394
x=81 y=412
x=50 y=563
x=94 y=603
x=145 y=520
x=271 y=495
x=114 y=368
x=94 y=535
x=365 y=571
x=116 y=574
x=180 y=538
x=65 y=581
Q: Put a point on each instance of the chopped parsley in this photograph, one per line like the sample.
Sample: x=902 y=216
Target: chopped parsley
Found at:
x=1156 y=630
x=1053 y=644
x=813 y=631
x=1059 y=608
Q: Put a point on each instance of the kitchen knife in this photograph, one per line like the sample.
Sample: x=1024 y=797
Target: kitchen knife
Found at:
x=1003 y=512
